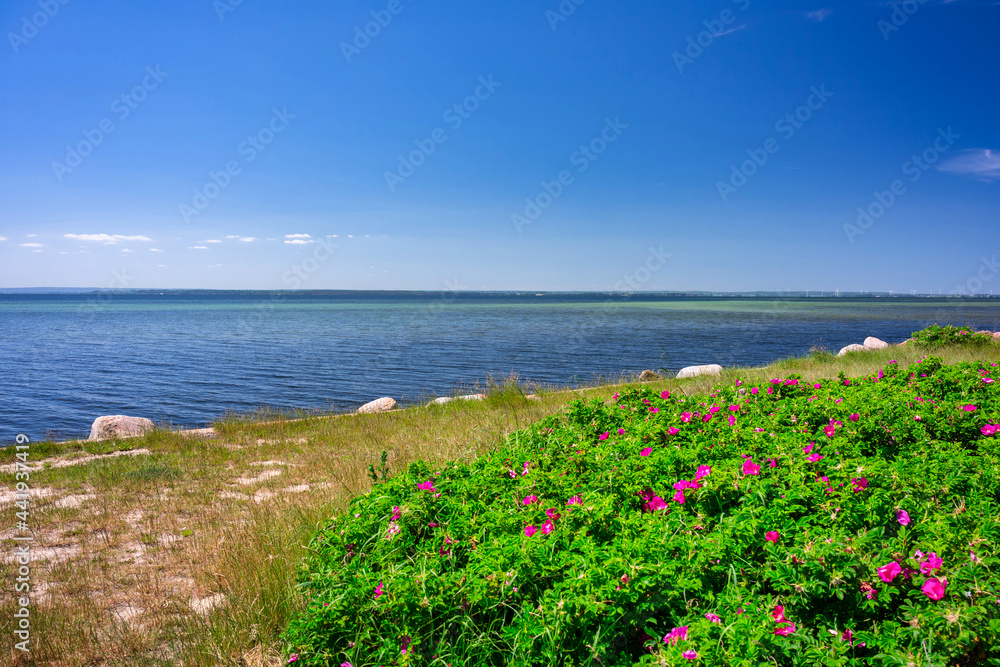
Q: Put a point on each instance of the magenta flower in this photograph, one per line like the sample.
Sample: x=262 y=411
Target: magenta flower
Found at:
x=750 y=468
x=530 y=499
x=689 y=655
x=703 y=471
x=686 y=417
x=426 y=486
x=785 y=629
x=932 y=563
x=732 y=420
x=808 y=448
x=854 y=417
x=754 y=390
x=530 y=530
x=903 y=517
x=621 y=431
x=646 y=451
x=713 y=618
x=860 y=483
x=990 y=429
x=829 y=430
x=665 y=395
x=889 y=572
x=575 y=500
x=676 y=635
x=548 y=527
x=552 y=513
x=916 y=418
x=378 y=591
x=935 y=588
x=673 y=430
x=293 y=658
x=604 y=436
x=679 y=496
x=969 y=408
x=773 y=463
x=815 y=457
x=988 y=380
x=778 y=614
x=654 y=409
x=404 y=644
x=771 y=536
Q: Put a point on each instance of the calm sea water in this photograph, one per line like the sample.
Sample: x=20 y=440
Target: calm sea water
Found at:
x=187 y=359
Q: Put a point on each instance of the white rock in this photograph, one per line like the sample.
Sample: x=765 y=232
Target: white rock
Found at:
x=872 y=343
x=853 y=347
x=449 y=399
x=533 y=397
x=441 y=401
x=119 y=427
x=996 y=335
x=695 y=371
x=379 y=405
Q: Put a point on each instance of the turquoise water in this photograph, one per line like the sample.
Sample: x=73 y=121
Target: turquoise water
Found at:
x=187 y=359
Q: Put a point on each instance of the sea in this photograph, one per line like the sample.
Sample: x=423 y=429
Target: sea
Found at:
x=187 y=358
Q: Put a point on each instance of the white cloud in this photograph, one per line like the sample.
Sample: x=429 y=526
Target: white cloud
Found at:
x=981 y=164
x=245 y=239
x=298 y=236
x=155 y=250
x=109 y=239
x=298 y=242
x=332 y=236
x=31 y=236
x=213 y=241
x=2 y=239
x=31 y=245
x=197 y=247
x=819 y=15
x=126 y=250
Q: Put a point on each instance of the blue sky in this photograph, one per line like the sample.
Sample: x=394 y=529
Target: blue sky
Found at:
x=721 y=145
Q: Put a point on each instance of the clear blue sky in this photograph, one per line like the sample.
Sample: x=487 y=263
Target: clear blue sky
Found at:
x=311 y=119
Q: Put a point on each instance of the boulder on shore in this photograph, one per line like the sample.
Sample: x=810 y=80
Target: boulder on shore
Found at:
x=853 y=347
x=996 y=335
x=379 y=405
x=873 y=343
x=695 y=371
x=448 y=399
x=648 y=376
x=119 y=427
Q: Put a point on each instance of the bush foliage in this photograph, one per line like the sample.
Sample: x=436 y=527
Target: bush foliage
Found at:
x=851 y=521
x=936 y=336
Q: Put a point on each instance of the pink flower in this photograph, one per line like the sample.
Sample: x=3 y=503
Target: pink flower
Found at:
x=916 y=418
x=732 y=420
x=673 y=430
x=604 y=436
x=773 y=463
x=814 y=457
x=932 y=563
x=990 y=429
x=860 y=483
x=426 y=486
x=530 y=530
x=646 y=451
x=665 y=395
x=530 y=499
x=969 y=408
x=575 y=500
x=548 y=527
x=750 y=468
x=778 y=614
x=615 y=397
x=988 y=380
x=686 y=417
x=829 y=430
x=785 y=630
x=676 y=635
x=854 y=417
x=654 y=409
x=713 y=618
x=378 y=590
x=703 y=471
x=689 y=655
x=621 y=431
x=889 y=572
x=754 y=390
x=817 y=386
x=771 y=536
x=404 y=644
x=679 y=496
x=902 y=517
x=934 y=588
x=870 y=592
x=293 y=658
x=552 y=513
x=808 y=448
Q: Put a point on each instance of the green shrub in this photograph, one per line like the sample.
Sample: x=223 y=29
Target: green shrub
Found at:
x=852 y=521
x=937 y=336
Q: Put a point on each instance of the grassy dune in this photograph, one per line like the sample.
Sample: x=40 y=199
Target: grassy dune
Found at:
x=172 y=549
